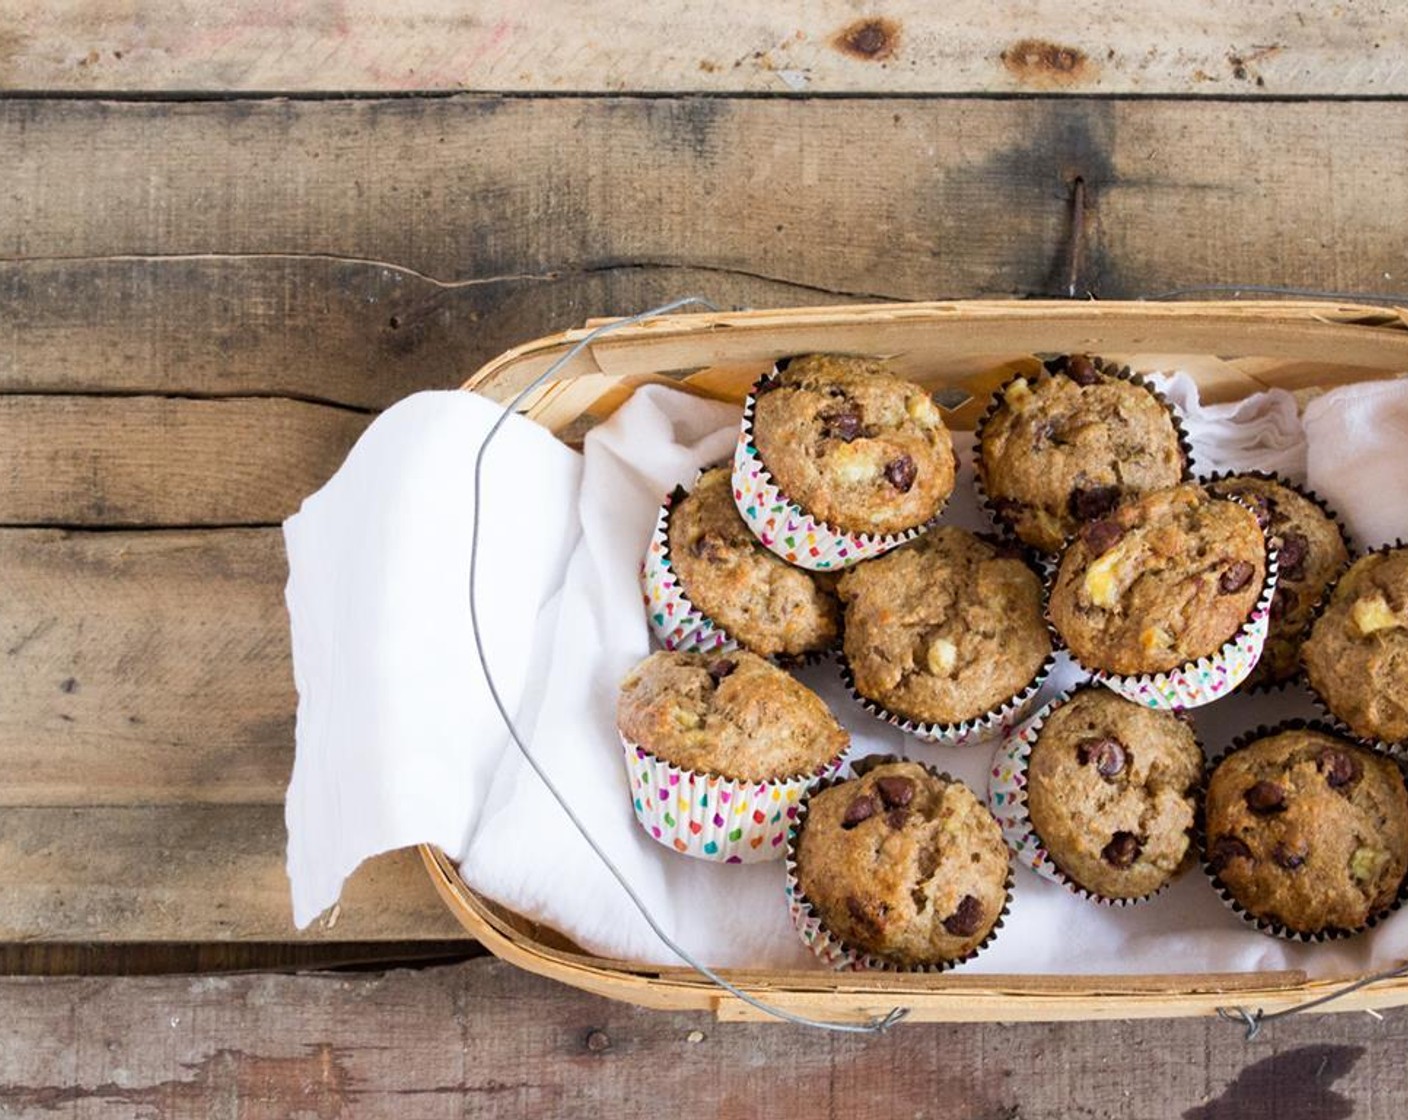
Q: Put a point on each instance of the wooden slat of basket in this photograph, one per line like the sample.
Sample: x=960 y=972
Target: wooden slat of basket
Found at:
x=1230 y=349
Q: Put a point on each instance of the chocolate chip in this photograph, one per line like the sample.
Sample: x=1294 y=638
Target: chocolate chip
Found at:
x=1260 y=505
x=1081 y=370
x=709 y=546
x=1107 y=754
x=967 y=919
x=841 y=423
x=1288 y=857
x=897 y=818
x=1008 y=509
x=1294 y=549
x=861 y=809
x=896 y=793
x=1283 y=601
x=1101 y=536
x=1339 y=767
x=721 y=668
x=1265 y=797
x=901 y=473
x=1088 y=503
x=867 y=916
x=1122 y=850
x=1224 y=850
x=1236 y=577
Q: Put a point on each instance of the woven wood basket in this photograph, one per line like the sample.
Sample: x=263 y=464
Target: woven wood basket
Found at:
x=961 y=351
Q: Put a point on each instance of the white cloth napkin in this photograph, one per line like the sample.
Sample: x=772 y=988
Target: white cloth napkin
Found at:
x=398 y=749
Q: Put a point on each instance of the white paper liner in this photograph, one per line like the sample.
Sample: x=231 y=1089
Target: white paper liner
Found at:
x=712 y=817
x=829 y=948
x=788 y=530
x=1007 y=798
x=674 y=620
x=1225 y=896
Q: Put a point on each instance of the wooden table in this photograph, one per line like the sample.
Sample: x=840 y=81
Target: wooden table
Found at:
x=228 y=238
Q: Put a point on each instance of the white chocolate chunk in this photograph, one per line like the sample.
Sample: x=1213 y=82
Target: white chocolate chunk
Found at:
x=1366 y=863
x=1371 y=615
x=942 y=657
x=1018 y=395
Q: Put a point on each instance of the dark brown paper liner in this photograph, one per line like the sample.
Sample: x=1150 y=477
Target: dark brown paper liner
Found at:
x=1339 y=726
x=1052 y=367
x=1181 y=687
x=759 y=496
x=695 y=631
x=1265 y=925
x=1013 y=813
x=833 y=950
x=1263 y=686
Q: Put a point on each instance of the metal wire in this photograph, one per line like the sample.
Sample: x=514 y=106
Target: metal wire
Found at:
x=1267 y=290
x=1253 y=1019
x=875 y=1026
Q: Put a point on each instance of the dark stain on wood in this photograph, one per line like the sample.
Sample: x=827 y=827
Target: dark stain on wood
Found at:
x=870 y=40
x=257 y=1087
x=1043 y=65
x=1295 y=1085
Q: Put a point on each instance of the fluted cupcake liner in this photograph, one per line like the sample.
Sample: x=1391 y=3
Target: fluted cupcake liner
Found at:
x=1265 y=925
x=1007 y=799
x=1257 y=685
x=1051 y=367
x=785 y=527
x=1204 y=679
x=1338 y=725
x=676 y=622
x=711 y=817
x=832 y=950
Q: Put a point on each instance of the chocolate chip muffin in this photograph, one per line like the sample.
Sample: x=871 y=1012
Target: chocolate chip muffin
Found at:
x=1066 y=447
x=1111 y=791
x=766 y=604
x=1165 y=579
x=1356 y=657
x=853 y=445
x=944 y=629
x=1308 y=831
x=902 y=864
x=737 y=716
x=1312 y=552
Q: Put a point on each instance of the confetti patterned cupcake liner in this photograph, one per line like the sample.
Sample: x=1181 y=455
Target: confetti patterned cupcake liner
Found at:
x=1339 y=726
x=832 y=950
x=1265 y=925
x=712 y=817
x=969 y=732
x=1007 y=798
x=674 y=620
x=1206 y=679
x=787 y=529
x=1050 y=367
x=1256 y=684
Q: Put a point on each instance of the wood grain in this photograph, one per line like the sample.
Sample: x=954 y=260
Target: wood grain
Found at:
x=482 y=1039
x=189 y=872
x=145 y=461
x=1110 y=46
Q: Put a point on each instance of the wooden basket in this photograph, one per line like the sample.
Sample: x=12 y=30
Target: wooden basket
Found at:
x=961 y=351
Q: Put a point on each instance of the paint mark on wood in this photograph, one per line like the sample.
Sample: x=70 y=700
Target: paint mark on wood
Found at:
x=870 y=40
x=1294 y=1085
x=1044 y=65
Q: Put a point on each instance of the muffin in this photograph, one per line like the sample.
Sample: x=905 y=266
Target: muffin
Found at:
x=852 y=445
x=1066 y=447
x=1306 y=832
x=945 y=630
x=1112 y=793
x=901 y=864
x=769 y=606
x=1356 y=657
x=719 y=749
x=1311 y=553
x=1166 y=579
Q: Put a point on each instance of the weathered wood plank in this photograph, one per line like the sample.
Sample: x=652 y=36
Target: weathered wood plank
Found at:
x=162 y=958
x=1109 y=46
x=190 y=872
x=144 y=668
x=481 y=1039
x=881 y=197
x=146 y=461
